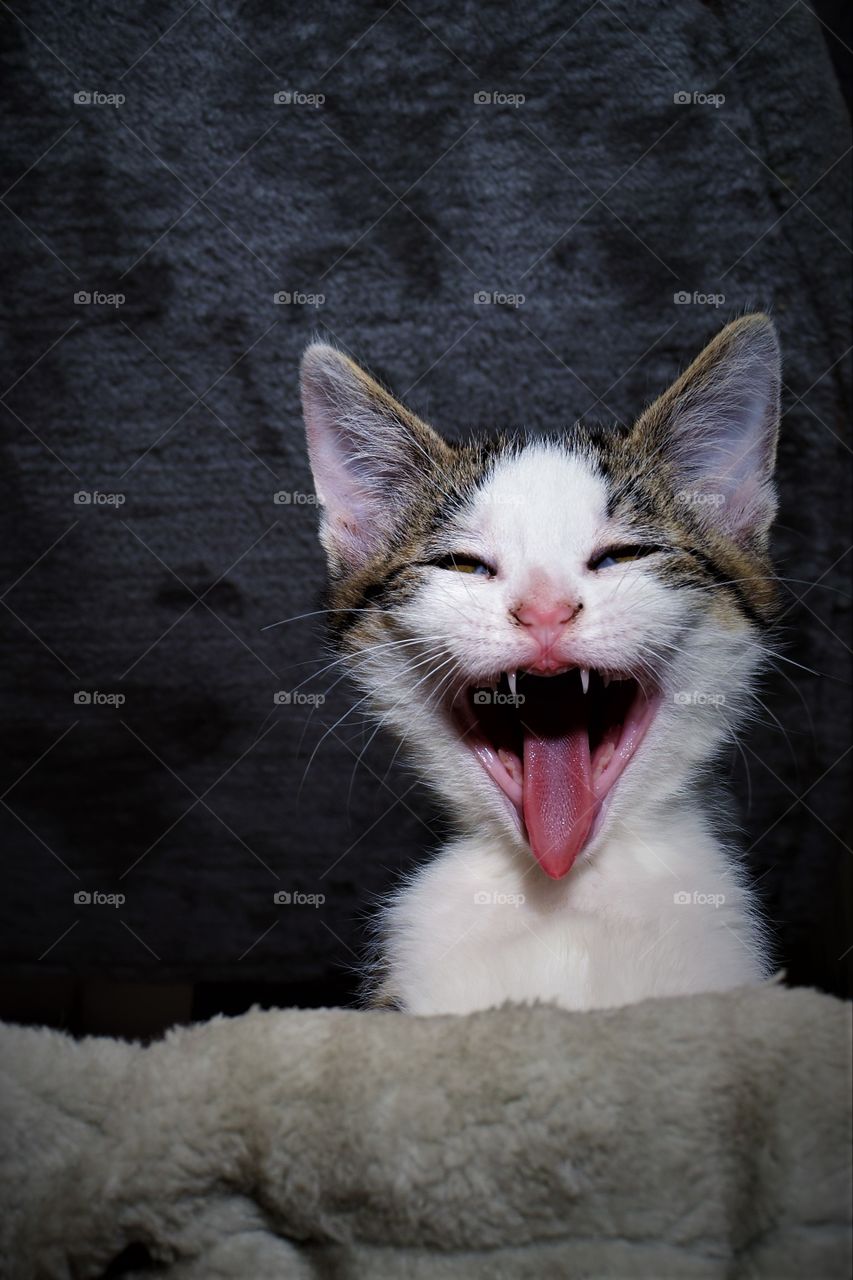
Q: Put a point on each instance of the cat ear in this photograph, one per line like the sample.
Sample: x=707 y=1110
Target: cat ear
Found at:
x=716 y=428
x=371 y=459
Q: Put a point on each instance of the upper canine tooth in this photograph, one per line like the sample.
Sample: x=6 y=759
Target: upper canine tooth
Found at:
x=605 y=679
x=511 y=678
x=585 y=679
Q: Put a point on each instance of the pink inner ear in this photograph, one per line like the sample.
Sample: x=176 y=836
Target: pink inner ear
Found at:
x=339 y=487
x=352 y=502
x=725 y=443
x=360 y=452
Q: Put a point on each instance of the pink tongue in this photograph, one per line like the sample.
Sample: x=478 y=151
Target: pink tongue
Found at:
x=558 y=800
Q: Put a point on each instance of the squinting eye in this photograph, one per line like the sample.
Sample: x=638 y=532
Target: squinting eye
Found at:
x=465 y=564
x=620 y=555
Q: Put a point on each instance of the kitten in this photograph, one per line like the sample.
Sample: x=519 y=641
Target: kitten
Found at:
x=565 y=631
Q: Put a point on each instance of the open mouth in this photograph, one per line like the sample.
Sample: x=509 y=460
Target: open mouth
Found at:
x=556 y=747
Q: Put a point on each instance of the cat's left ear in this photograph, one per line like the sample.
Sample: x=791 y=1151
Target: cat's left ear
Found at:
x=716 y=430
x=373 y=461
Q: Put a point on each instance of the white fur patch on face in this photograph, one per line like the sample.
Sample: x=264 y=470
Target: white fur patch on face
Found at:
x=537 y=520
x=542 y=508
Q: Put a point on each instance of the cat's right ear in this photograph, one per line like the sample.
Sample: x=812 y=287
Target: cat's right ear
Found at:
x=715 y=429
x=371 y=458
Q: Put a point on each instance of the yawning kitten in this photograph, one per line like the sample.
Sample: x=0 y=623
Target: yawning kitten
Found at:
x=564 y=630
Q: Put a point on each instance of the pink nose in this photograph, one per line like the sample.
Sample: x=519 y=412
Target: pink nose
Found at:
x=545 y=617
x=544 y=622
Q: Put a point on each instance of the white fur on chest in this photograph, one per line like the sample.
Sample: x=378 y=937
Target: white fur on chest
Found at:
x=659 y=911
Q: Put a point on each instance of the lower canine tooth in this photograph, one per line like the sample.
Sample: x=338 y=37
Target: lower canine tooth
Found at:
x=511 y=763
x=605 y=755
x=584 y=679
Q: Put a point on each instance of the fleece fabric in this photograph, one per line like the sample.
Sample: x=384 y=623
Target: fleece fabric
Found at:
x=682 y=1139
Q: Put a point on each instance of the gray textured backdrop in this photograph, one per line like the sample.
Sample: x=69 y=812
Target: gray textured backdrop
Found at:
x=599 y=198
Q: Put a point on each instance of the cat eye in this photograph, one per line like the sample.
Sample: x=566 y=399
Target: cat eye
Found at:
x=620 y=555
x=464 y=564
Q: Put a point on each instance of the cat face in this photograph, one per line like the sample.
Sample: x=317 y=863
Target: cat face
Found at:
x=561 y=629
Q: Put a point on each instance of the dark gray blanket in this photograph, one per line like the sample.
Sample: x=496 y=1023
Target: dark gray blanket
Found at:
x=601 y=199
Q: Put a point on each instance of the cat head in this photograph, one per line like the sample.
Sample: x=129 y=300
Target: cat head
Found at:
x=562 y=628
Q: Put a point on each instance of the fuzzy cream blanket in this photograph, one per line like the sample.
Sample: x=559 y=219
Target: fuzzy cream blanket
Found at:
x=697 y=1137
